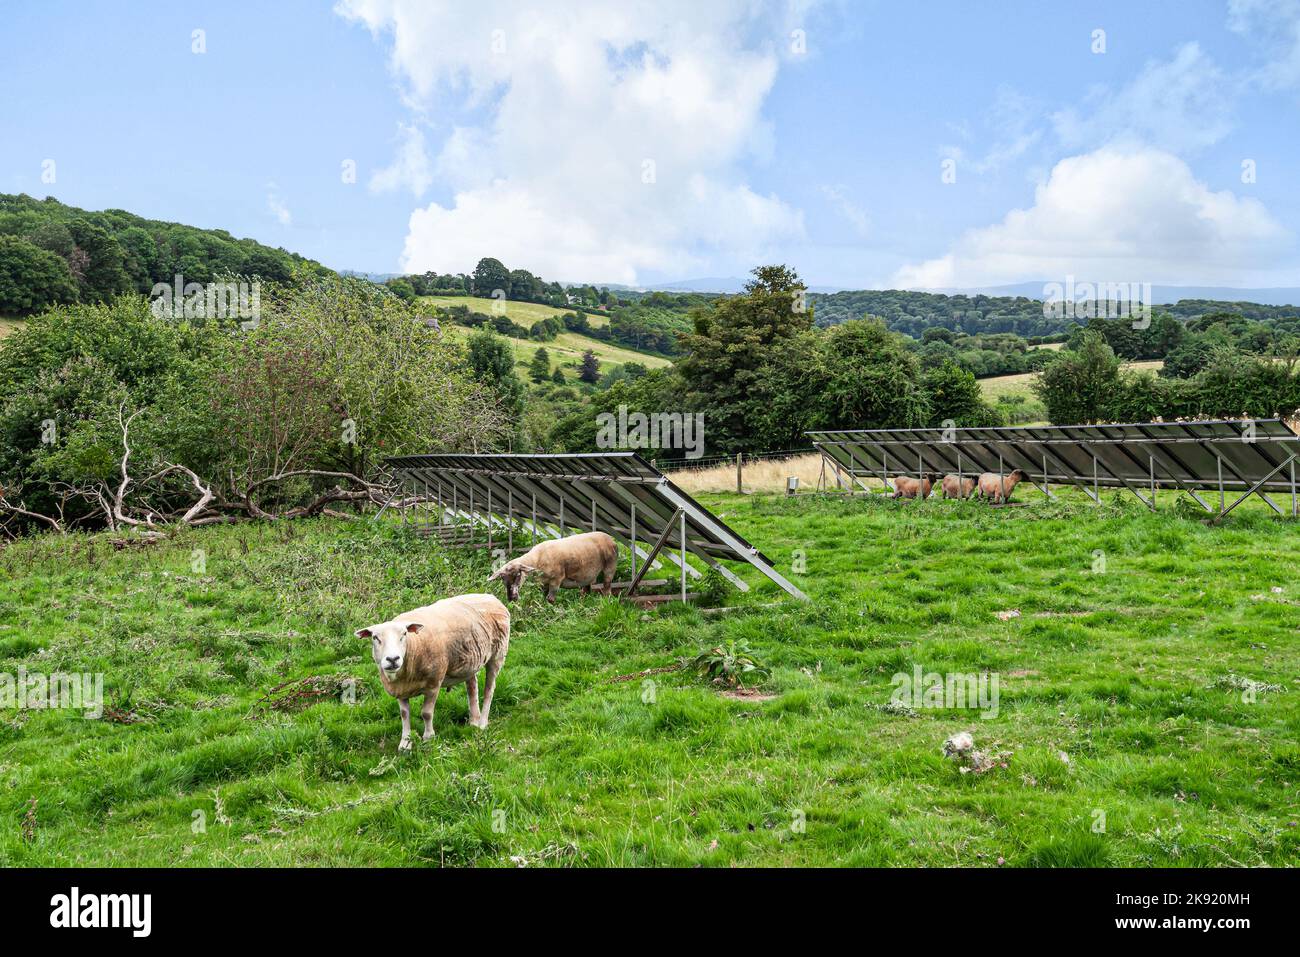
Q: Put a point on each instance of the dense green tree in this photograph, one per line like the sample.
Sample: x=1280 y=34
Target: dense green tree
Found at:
x=1078 y=386
x=102 y=273
x=589 y=370
x=954 y=396
x=558 y=376
x=32 y=278
x=489 y=276
x=492 y=362
x=539 y=370
x=726 y=352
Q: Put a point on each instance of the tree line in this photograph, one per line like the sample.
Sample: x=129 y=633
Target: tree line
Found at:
x=51 y=253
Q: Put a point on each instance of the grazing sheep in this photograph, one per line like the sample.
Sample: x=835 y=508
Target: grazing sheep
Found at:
x=573 y=562
x=997 y=488
x=446 y=643
x=958 y=487
x=905 y=487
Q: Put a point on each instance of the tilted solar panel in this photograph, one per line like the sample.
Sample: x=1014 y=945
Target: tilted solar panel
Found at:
x=1247 y=456
x=551 y=495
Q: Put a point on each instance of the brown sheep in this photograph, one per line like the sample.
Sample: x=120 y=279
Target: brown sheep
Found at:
x=573 y=562
x=905 y=487
x=446 y=643
x=958 y=487
x=998 y=489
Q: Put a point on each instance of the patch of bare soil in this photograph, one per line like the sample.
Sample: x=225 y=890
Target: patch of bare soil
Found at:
x=747 y=694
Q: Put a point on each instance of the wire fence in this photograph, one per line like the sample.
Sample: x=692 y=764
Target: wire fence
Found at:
x=714 y=461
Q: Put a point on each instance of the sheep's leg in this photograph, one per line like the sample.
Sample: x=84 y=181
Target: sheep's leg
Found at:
x=404 y=705
x=610 y=571
x=426 y=712
x=551 y=589
x=489 y=685
x=471 y=692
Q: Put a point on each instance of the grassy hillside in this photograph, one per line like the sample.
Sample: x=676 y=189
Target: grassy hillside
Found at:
x=1001 y=385
x=1120 y=700
x=567 y=348
x=524 y=313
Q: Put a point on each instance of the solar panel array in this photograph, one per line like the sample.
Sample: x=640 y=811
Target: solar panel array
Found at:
x=1247 y=457
x=522 y=499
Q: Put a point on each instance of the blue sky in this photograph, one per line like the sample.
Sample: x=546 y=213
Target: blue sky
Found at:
x=649 y=141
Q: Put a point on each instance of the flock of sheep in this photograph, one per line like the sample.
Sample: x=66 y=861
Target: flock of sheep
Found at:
x=420 y=652
x=449 y=642
x=990 y=486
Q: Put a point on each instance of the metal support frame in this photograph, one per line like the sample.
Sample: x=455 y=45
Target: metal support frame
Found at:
x=654 y=550
x=1252 y=490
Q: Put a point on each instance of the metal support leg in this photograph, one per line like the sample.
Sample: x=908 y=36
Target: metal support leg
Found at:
x=650 y=556
x=633 y=530
x=683 y=547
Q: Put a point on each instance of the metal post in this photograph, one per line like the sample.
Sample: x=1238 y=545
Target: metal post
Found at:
x=1152 y=460
x=489 y=519
x=1046 y=491
x=961 y=489
x=455 y=506
x=471 y=514
x=740 y=485
x=634 y=540
x=1096 y=497
x=1222 y=499
x=510 y=523
x=1002 y=482
x=561 y=513
x=532 y=532
x=884 y=468
x=683 y=533
x=442 y=516
x=1293 y=502
x=593 y=513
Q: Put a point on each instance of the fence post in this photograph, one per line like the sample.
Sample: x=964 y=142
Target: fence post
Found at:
x=740 y=488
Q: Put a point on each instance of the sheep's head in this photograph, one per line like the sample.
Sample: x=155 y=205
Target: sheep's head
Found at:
x=388 y=644
x=1019 y=475
x=512 y=575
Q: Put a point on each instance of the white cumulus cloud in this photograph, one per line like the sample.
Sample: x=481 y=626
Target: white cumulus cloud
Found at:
x=604 y=139
x=1116 y=215
x=411 y=169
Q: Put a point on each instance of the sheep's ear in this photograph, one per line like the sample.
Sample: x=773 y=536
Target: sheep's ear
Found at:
x=366 y=632
x=414 y=627
x=496 y=574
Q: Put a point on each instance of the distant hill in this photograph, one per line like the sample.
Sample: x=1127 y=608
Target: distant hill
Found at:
x=1160 y=294
x=51 y=252
x=914 y=312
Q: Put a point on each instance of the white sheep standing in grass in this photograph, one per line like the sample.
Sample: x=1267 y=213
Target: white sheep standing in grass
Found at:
x=446 y=643
x=997 y=488
x=572 y=562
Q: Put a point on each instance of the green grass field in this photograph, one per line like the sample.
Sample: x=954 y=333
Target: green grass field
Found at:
x=567 y=348
x=524 y=313
x=1124 y=735
x=1018 y=384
